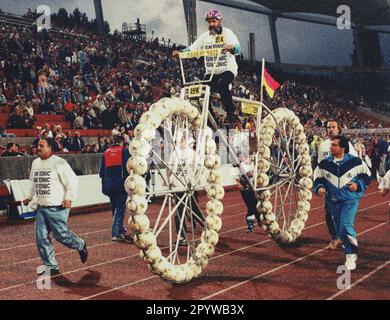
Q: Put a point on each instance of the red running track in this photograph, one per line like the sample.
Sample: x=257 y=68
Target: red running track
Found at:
x=245 y=266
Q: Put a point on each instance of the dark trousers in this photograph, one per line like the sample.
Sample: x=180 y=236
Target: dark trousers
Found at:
x=220 y=83
x=118 y=207
x=250 y=200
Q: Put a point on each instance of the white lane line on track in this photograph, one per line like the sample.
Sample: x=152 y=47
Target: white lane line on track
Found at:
x=94 y=246
x=135 y=255
x=98 y=264
x=212 y=258
x=365 y=277
x=108 y=243
x=279 y=268
x=102 y=230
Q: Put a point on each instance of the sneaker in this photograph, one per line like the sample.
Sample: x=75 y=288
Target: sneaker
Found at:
x=350 y=261
x=182 y=242
x=250 y=221
x=122 y=238
x=251 y=228
x=84 y=253
x=334 y=244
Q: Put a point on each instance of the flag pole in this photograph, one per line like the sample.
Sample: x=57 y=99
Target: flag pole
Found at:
x=262 y=80
x=258 y=122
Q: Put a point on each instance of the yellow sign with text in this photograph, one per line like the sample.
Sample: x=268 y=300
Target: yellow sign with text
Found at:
x=249 y=108
x=200 y=53
x=194 y=91
x=219 y=39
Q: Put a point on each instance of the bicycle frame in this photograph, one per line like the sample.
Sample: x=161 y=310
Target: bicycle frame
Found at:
x=202 y=92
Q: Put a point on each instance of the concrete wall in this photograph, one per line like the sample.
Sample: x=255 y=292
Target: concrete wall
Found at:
x=27 y=141
x=18 y=168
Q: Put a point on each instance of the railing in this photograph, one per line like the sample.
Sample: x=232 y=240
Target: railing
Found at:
x=8 y=14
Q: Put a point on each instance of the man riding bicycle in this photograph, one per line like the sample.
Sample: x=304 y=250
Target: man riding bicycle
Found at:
x=219 y=37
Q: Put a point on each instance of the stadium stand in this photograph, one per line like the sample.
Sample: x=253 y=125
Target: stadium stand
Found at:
x=80 y=81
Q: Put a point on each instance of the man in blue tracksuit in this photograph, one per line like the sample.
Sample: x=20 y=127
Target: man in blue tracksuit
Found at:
x=343 y=178
x=113 y=173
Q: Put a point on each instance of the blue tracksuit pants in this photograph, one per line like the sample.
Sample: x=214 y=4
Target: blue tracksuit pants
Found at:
x=343 y=215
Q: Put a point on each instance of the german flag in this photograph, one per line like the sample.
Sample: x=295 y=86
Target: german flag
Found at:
x=270 y=84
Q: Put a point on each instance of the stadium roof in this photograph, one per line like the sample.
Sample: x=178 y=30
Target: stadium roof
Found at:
x=363 y=12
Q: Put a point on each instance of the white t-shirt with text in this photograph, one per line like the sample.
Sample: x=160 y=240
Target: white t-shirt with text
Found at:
x=52 y=181
x=227 y=61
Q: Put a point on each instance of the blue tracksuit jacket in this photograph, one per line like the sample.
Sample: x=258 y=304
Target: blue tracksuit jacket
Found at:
x=342 y=204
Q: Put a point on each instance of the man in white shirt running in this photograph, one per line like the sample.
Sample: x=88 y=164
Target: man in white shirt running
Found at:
x=53 y=188
x=218 y=37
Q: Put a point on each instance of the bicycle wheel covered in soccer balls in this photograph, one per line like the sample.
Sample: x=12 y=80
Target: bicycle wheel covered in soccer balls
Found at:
x=284 y=175
x=178 y=240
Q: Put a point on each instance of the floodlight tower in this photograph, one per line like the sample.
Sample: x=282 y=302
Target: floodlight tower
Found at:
x=190 y=16
x=99 y=15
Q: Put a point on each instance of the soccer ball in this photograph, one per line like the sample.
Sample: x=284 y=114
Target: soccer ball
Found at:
x=216 y=192
x=273 y=227
x=161 y=266
x=137 y=164
x=214 y=222
x=214 y=207
x=150 y=118
x=305 y=171
x=305 y=195
x=264 y=195
x=196 y=268
x=139 y=147
x=139 y=223
x=270 y=217
x=306 y=183
x=266 y=140
x=303 y=215
x=147 y=239
x=135 y=184
x=262 y=179
x=191 y=111
x=264 y=152
x=201 y=259
x=160 y=109
x=303 y=148
x=153 y=253
x=210 y=236
x=136 y=204
x=263 y=165
x=284 y=237
x=303 y=205
x=264 y=206
x=301 y=138
x=188 y=271
x=205 y=248
x=214 y=177
x=145 y=131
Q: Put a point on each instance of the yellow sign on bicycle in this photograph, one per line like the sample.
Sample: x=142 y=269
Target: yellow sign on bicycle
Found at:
x=200 y=53
x=249 y=108
x=194 y=91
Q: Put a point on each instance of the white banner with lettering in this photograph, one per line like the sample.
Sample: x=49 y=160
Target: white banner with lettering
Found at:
x=90 y=189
